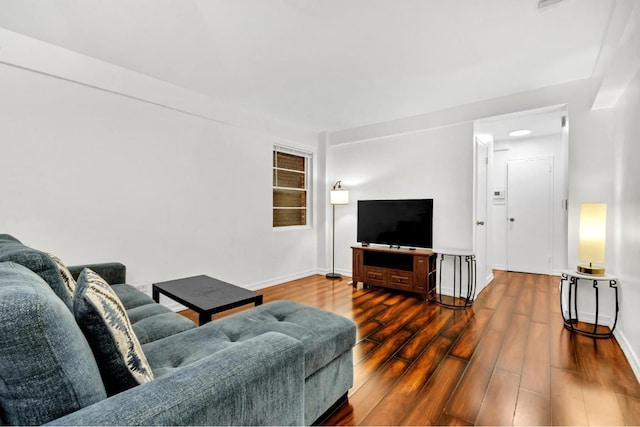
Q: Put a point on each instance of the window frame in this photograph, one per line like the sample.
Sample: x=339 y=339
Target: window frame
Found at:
x=308 y=179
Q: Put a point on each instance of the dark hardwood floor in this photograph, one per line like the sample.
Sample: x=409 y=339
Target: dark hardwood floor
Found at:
x=507 y=360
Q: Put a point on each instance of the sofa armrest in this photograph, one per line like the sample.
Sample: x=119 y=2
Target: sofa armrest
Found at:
x=255 y=382
x=113 y=272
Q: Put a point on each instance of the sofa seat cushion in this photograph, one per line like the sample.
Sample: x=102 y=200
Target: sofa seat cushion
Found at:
x=104 y=321
x=324 y=335
x=11 y=250
x=47 y=369
x=152 y=322
x=131 y=297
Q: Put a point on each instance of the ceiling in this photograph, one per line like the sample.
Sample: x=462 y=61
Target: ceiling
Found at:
x=330 y=64
x=541 y=123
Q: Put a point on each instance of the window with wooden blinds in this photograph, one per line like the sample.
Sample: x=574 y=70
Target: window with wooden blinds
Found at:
x=290 y=186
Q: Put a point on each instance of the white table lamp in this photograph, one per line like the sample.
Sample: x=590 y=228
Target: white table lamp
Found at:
x=592 y=235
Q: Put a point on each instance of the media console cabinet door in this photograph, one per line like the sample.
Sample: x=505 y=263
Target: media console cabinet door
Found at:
x=357 y=268
x=420 y=271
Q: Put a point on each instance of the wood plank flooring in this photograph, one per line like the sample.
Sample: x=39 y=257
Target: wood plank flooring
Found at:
x=507 y=360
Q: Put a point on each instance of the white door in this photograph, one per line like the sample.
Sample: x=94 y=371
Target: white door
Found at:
x=480 y=249
x=529 y=215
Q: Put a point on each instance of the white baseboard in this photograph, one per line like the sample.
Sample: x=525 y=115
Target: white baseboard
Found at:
x=632 y=357
x=489 y=279
x=282 y=279
x=143 y=287
x=626 y=320
x=590 y=317
x=172 y=305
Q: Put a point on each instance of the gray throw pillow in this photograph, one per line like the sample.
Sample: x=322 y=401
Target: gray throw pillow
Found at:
x=104 y=321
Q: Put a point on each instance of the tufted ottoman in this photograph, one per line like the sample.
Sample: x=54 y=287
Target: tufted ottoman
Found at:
x=326 y=337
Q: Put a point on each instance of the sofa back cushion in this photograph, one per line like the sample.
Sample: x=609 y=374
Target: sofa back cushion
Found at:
x=11 y=250
x=106 y=325
x=47 y=369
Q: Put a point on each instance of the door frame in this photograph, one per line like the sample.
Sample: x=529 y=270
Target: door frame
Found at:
x=488 y=272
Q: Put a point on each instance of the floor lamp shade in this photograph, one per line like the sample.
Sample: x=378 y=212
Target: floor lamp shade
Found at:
x=339 y=197
x=592 y=235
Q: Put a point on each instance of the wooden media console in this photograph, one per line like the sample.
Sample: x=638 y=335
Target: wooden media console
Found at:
x=403 y=269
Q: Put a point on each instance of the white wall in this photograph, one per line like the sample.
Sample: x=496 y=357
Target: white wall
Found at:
x=591 y=178
x=94 y=176
x=544 y=146
x=626 y=219
x=434 y=163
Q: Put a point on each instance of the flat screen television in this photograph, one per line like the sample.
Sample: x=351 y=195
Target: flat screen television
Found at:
x=407 y=222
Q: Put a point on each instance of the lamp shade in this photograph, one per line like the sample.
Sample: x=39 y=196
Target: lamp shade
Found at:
x=593 y=228
x=339 y=197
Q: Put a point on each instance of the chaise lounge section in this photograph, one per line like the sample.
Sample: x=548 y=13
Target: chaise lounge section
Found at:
x=280 y=363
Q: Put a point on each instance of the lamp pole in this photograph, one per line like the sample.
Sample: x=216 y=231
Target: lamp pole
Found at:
x=338 y=196
x=333 y=274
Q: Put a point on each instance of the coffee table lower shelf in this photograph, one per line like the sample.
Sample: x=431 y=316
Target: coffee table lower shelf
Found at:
x=205 y=295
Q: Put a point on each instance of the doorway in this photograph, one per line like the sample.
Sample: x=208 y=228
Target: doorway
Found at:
x=510 y=242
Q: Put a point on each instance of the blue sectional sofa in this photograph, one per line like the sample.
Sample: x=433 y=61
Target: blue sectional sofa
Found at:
x=280 y=363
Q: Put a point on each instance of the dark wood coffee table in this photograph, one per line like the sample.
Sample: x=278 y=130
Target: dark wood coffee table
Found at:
x=205 y=295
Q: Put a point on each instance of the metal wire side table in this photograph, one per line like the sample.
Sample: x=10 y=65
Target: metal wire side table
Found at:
x=571 y=278
x=463 y=293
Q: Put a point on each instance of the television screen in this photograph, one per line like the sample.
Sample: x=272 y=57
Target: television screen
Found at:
x=406 y=222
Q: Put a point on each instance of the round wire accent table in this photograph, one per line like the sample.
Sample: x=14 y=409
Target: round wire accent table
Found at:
x=570 y=309
x=464 y=292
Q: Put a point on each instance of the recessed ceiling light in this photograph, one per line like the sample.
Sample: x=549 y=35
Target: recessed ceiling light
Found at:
x=520 y=132
x=546 y=3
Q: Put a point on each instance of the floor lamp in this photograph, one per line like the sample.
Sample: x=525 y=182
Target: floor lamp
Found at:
x=338 y=196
